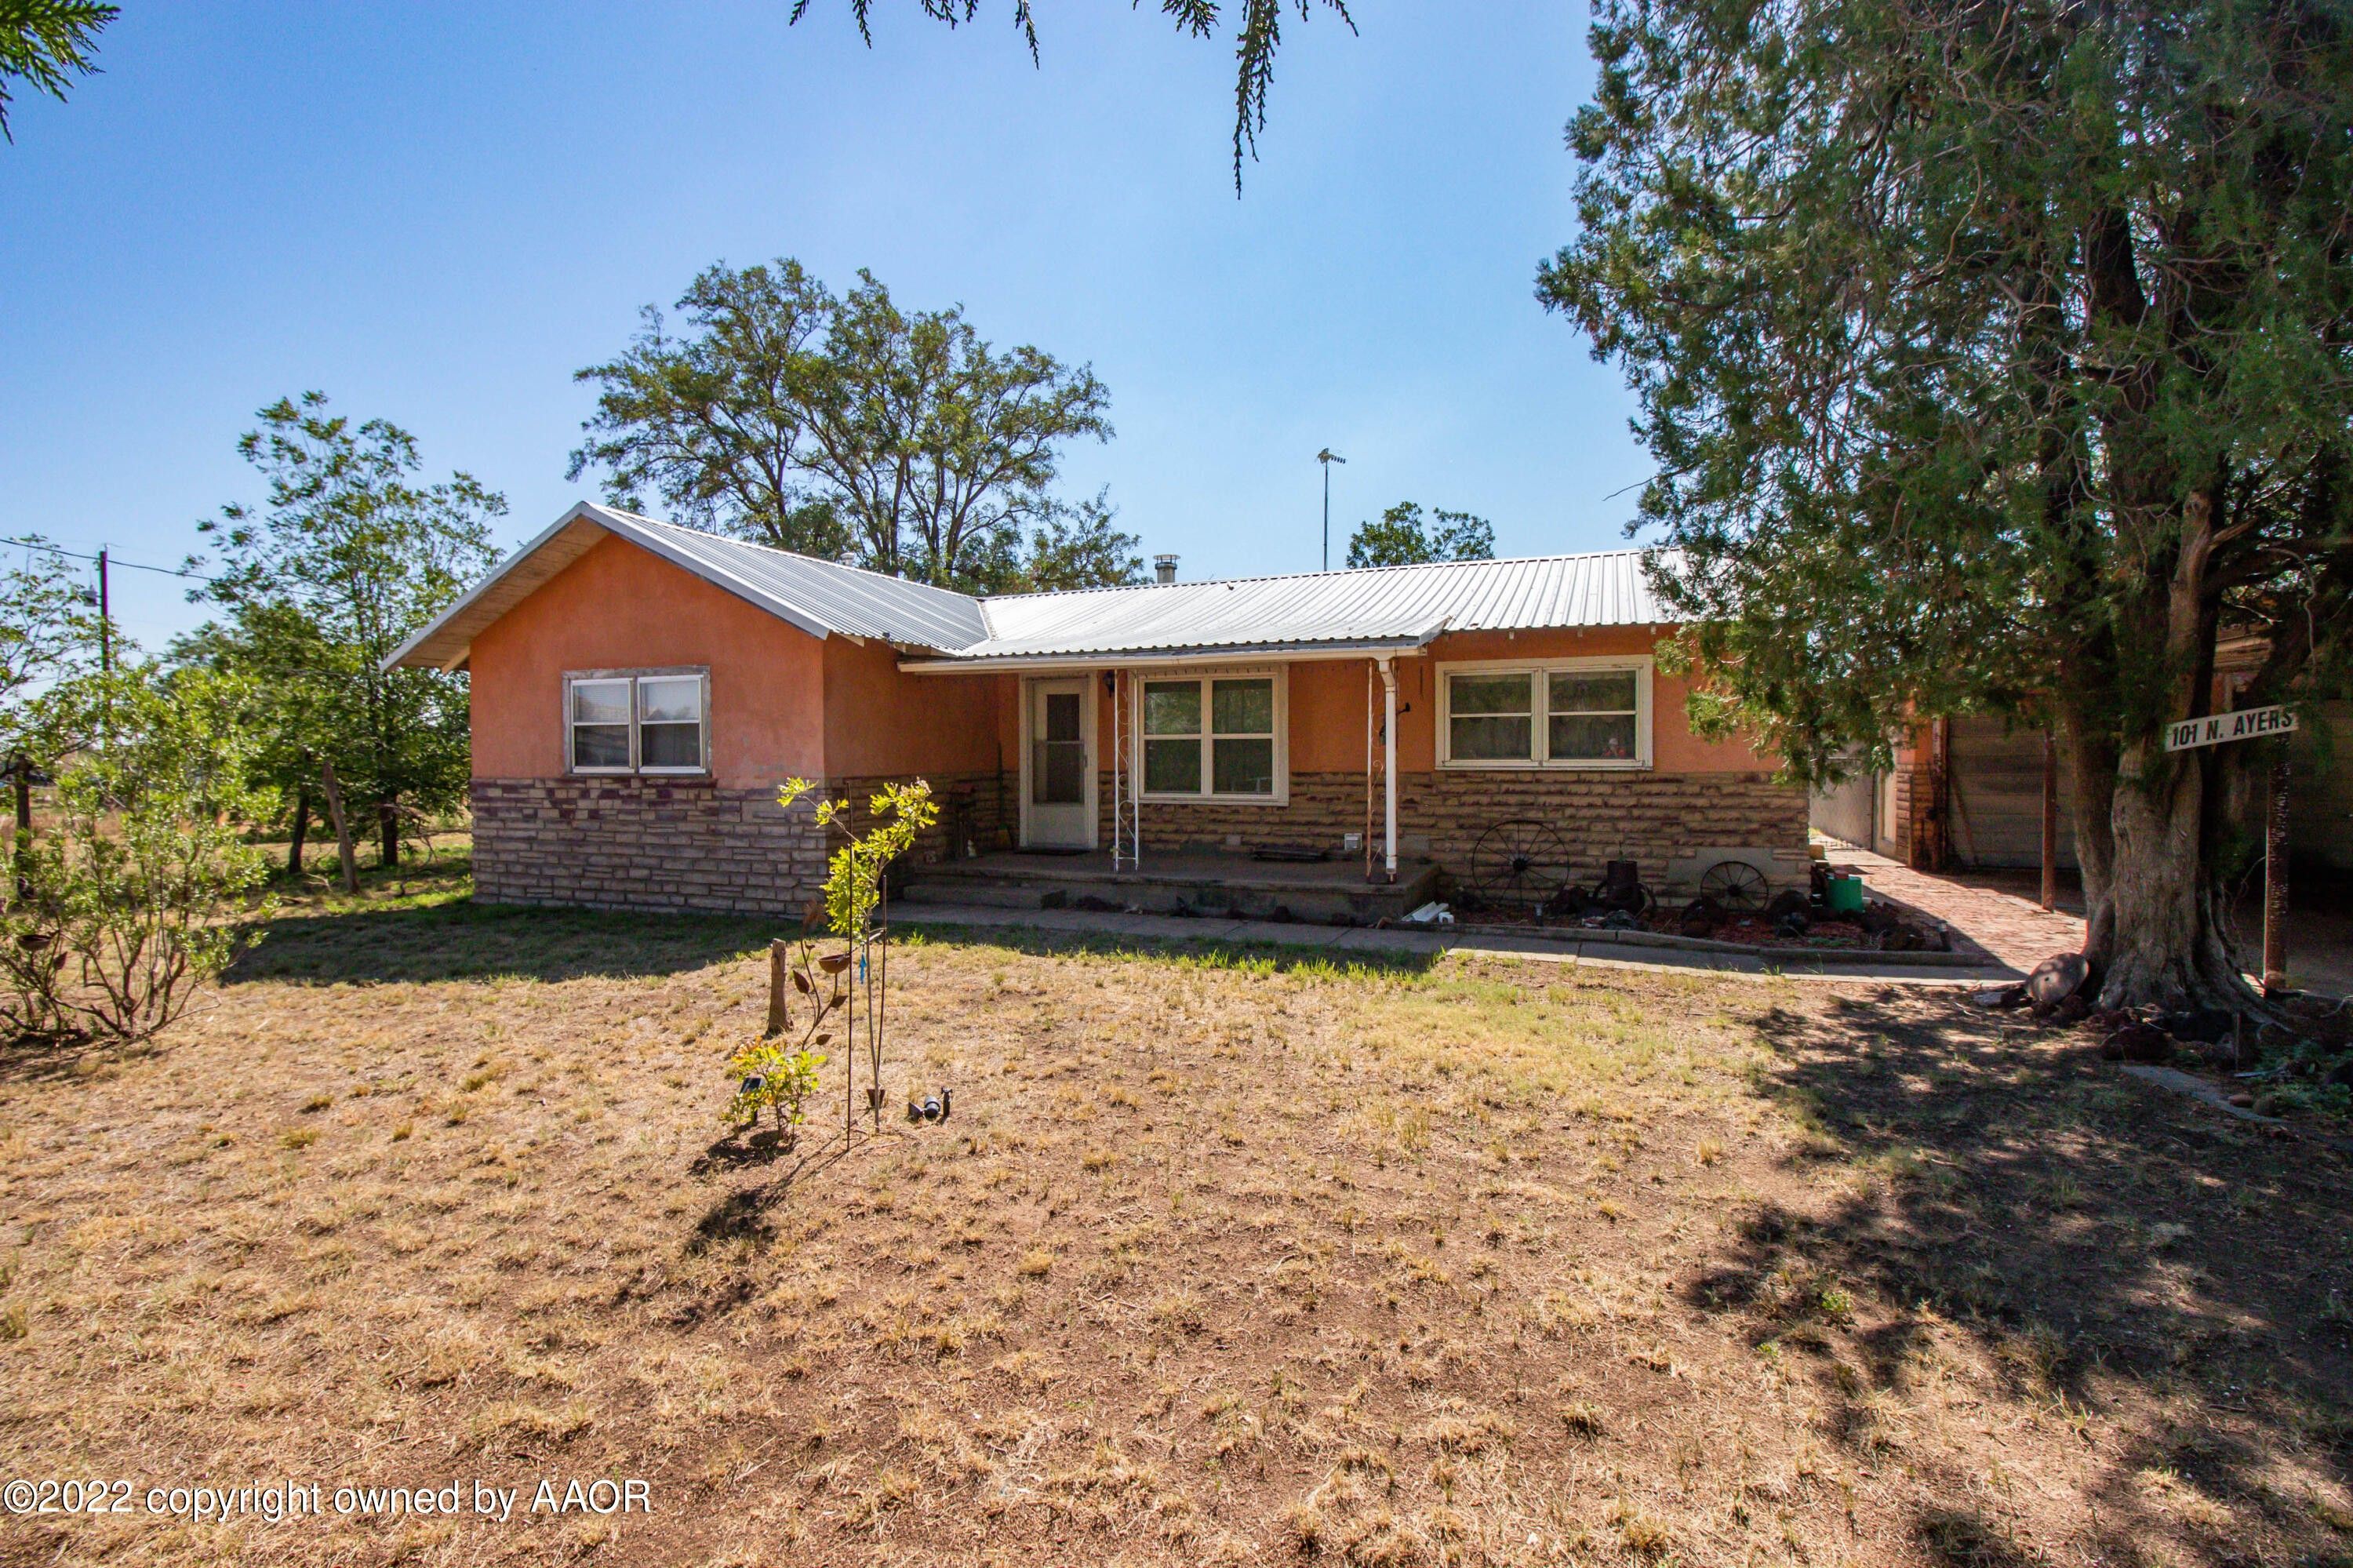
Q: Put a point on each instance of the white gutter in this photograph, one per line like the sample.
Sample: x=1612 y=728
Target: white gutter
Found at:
x=1387 y=647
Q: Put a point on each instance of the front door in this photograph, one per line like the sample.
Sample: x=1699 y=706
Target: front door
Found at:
x=1059 y=795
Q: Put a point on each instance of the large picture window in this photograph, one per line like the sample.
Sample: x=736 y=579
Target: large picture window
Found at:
x=1561 y=712
x=632 y=723
x=1212 y=736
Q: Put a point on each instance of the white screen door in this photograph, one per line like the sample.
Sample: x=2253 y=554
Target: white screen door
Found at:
x=1059 y=794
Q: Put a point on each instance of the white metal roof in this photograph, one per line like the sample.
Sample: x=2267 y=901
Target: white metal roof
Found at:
x=1369 y=606
x=1378 y=607
x=821 y=598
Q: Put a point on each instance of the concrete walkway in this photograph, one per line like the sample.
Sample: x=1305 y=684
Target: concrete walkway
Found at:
x=1345 y=941
x=2000 y=912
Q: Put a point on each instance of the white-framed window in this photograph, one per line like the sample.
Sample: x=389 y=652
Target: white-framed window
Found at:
x=1215 y=736
x=636 y=720
x=1544 y=712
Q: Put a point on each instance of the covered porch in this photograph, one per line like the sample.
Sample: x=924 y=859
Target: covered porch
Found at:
x=1235 y=768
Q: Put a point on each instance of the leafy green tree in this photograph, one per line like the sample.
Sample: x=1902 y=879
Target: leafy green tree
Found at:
x=847 y=428
x=122 y=912
x=48 y=635
x=44 y=44
x=345 y=558
x=1995 y=358
x=1256 y=37
x=49 y=632
x=716 y=424
x=1078 y=547
x=940 y=450
x=1399 y=537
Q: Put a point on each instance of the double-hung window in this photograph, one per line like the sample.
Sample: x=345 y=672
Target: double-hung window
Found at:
x=1557 y=712
x=1213 y=737
x=636 y=722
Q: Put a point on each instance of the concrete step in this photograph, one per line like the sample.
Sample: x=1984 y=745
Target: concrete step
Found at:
x=995 y=892
x=966 y=884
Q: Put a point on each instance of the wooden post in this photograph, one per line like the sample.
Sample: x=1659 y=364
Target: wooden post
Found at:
x=2275 y=878
x=1940 y=794
x=2050 y=822
x=780 y=965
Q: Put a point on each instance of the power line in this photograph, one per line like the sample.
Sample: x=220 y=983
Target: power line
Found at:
x=111 y=558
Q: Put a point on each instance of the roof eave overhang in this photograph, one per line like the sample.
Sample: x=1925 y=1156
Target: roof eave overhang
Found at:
x=1168 y=658
x=445 y=641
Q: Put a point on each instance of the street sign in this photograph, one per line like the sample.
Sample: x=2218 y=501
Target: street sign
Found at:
x=2247 y=723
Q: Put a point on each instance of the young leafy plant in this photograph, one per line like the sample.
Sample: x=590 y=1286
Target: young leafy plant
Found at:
x=774 y=1079
x=855 y=890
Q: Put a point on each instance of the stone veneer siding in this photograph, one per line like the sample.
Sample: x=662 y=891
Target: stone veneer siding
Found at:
x=990 y=802
x=643 y=843
x=687 y=844
x=1652 y=818
x=672 y=844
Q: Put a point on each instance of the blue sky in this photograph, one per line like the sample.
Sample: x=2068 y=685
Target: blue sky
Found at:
x=436 y=213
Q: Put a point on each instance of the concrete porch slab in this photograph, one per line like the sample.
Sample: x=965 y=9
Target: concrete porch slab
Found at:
x=1212 y=886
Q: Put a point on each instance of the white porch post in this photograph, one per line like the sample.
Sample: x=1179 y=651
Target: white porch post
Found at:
x=1135 y=763
x=1389 y=764
x=1117 y=805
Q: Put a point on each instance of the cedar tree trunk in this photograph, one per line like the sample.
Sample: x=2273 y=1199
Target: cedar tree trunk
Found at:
x=2156 y=924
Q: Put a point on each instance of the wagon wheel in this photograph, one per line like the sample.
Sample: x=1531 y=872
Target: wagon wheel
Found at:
x=1736 y=884
x=1519 y=862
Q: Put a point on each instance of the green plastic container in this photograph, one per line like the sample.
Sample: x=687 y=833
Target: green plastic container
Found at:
x=1845 y=895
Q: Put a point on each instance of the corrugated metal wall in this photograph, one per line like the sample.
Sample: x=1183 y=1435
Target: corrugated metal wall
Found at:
x=1997 y=793
x=1849 y=811
x=2320 y=803
x=1997 y=797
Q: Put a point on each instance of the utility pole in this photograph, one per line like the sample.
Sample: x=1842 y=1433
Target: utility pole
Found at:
x=1327 y=456
x=105 y=621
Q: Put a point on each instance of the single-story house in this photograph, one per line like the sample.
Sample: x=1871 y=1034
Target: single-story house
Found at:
x=639 y=690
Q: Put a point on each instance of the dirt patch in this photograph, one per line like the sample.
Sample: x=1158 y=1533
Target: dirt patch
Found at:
x=1221 y=1258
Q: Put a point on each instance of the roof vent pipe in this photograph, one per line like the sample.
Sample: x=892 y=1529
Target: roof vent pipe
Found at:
x=1165 y=568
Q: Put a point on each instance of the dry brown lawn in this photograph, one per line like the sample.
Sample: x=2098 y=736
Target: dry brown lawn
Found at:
x=1221 y=1258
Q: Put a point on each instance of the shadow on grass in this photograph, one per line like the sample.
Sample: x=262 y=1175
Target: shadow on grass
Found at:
x=459 y=940
x=54 y=1059
x=738 y=1225
x=443 y=937
x=2121 y=1254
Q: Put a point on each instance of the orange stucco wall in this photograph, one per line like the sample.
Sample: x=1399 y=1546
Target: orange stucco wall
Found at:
x=619 y=607
x=1328 y=699
x=879 y=720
